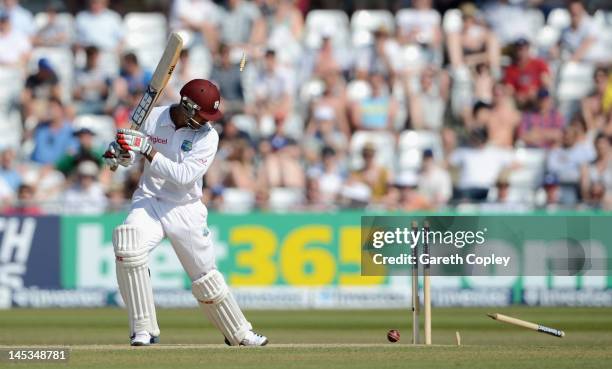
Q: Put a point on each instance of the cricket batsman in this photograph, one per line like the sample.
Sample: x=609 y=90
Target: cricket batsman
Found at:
x=179 y=145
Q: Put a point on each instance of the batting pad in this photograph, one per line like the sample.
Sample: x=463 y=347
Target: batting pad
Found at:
x=134 y=279
x=220 y=306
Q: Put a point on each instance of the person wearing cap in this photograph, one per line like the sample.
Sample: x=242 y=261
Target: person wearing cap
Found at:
x=85 y=195
x=542 y=127
x=527 y=74
x=39 y=88
x=179 y=145
x=15 y=45
x=85 y=152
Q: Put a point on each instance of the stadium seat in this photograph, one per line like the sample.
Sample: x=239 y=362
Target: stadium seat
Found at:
x=11 y=129
x=236 y=200
x=546 y=38
x=358 y=90
x=535 y=22
x=384 y=142
x=530 y=172
x=333 y=22
x=145 y=35
x=285 y=199
x=294 y=126
x=412 y=58
x=11 y=80
x=575 y=81
x=411 y=145
x=365 y=22
x=247 y=124
x=310 y=90
x=103 y=126
x=452 y=21
x=559 y=18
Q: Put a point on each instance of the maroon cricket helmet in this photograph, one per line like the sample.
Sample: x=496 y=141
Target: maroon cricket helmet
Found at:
x=202 y=97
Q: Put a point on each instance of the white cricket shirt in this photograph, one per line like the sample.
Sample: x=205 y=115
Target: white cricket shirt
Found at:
x=183 y=156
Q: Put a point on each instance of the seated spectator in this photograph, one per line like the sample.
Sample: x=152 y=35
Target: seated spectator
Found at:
x=54 y=33
x=285 y=17
x=184 y=71
x=428 y=99
x=355 y=194
x=134 y=75
x=91 y=84
x=15 y=46
x=274 y=88
x=598 y=174
x=508 y=20
x=421 y=26
x=566 y=160
x=327 y=59
x=434 y=181
x=478 y=167
x=228 y=78
x=381 y=57
x=117 y=202
x=481 y=117
x=328 y=176
x=378 y=111
x=505 y=118
x=552 y=192
x=85 y=196
x=408 y=196
x=39 y=88
x=502 y=201
x=582 y=40
x=53 y=138
x=243 y=25
x=543 y=127
x=11 y=176
x=593 y=110
x=99 y=26
x=328 y=124
x=26 y=205
x=526 y=75
x=281 y=167
x=199 y=16
x=21 y=18
x=85 y=152
x=483 y=83
x=375 y=176
x=474 y=43
x=241 y=167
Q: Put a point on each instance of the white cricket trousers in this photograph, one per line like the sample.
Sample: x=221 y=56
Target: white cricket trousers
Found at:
x=183 y=224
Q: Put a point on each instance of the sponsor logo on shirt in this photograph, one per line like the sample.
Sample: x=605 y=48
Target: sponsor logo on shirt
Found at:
x=158 y=140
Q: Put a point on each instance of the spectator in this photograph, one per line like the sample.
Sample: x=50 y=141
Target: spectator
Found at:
x=281 y=167
x=91 y=84
x=505 y=118
x=481 y=114
x=544 y=126
x=593 y=110
x=199 y=16
x=117 y=201
x=241 y=167
x=434 y=181
x=598 y=174
x=53 y=33
x=85 y=152
x=421 y=26
x=14 y=45
x=483 y=83
x=478 y=167
x=21 y=18
x=427 y=101
x=243 y=25
x=381 y=57
x=408 y=197
x=8 y=173
x=229 y=80
x=274 y=88
x=552 y=192
x=375 y=176
x=99 y=26
x=474 y=43
x=566 y=161
x=508 y=19
x=378 y=111
x=25 y=204
x=286 y=19
x=53 y=138
x=328 y=176
x=327 y=59
x=85 y=196
x=184 y=71
x=581 y=41
x=526 y=75
x=132 y=74
x=39 y=88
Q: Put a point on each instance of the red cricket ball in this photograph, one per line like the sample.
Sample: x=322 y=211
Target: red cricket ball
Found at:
x=393 y=335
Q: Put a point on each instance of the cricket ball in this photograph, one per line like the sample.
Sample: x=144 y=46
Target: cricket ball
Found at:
x=393 y=335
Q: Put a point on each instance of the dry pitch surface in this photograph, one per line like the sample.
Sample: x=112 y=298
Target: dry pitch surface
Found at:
x=319 y=339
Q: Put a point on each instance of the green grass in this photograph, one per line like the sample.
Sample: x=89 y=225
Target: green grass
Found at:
x=323 y=339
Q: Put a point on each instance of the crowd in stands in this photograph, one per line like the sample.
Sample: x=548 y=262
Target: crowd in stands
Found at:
x=498 y=105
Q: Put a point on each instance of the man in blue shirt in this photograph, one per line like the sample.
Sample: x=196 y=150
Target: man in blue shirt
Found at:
x=53 y=138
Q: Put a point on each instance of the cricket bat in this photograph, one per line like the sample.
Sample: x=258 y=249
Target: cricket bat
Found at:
x=159 y=80
x=528 y=325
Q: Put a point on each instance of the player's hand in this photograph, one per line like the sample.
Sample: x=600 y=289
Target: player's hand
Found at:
x=115 y=155
x=133 y=140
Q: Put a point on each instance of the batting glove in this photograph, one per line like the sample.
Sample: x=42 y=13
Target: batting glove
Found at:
x=135 y=141
x=115 y=155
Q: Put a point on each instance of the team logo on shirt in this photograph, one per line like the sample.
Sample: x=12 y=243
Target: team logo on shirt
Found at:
x=186 y=145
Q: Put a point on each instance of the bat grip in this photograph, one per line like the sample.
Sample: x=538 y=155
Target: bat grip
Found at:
x=551 y=331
